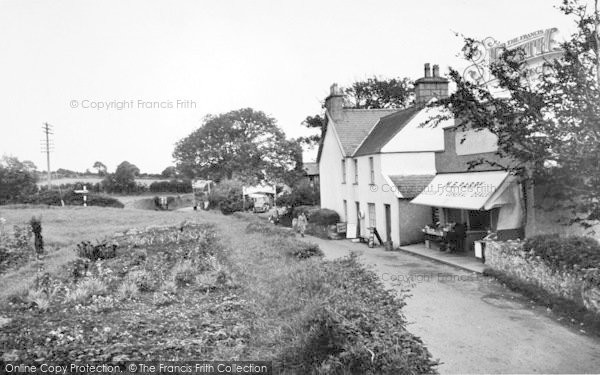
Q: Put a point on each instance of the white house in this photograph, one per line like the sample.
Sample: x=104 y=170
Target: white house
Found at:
x=372 y=162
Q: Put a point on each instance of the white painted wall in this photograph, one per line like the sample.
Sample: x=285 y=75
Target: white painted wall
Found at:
x=407 y=163
x=330 y=173
x=472 y=142
x=417 y=138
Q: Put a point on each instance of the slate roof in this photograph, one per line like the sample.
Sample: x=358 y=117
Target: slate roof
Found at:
x=356 y=124
x=411 y=185
x=385 y=130
x=311 y=169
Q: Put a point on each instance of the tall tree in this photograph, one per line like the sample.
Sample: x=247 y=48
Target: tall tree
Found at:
x=375 y=93
x=549 y=128
x=100 y=167
x=245 y=144
x=123 y=180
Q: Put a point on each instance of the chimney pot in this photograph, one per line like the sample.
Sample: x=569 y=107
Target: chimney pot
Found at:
x=436 y=70
x=334 y=89
x=427 y=70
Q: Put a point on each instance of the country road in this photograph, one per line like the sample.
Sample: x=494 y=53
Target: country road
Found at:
x=472 y=323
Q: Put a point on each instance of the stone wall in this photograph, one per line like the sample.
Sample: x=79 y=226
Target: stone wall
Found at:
x=510 y=259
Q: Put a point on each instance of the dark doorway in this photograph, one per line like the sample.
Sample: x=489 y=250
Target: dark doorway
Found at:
x=388 y=222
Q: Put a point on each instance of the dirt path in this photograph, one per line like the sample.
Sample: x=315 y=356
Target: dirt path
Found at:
x=471 y=322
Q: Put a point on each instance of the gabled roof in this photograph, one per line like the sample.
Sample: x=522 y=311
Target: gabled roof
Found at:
x=355 y=125
x=385 y=130
x=411 y=185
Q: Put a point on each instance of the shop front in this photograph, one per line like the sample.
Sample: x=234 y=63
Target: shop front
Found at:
x=469 y=206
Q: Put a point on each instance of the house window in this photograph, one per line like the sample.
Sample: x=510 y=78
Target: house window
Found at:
x=372 y=169
x=343 y=171
x=345 y=211
x=372 y=221
x=356 y=171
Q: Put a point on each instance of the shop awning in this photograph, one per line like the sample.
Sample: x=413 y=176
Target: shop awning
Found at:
x=468 y=191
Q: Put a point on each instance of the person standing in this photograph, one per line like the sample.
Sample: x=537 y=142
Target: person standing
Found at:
x=302 y=221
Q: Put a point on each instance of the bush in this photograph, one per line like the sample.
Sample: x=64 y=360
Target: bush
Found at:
x=85 y=289
x=102 y=250
x=356 y=328
x=573 y=252
x=302 y=194
x=302 y=250
x=184 y=273
x=324 y=216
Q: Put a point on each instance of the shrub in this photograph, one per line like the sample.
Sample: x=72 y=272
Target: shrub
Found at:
x=144 y=280
x=564 y=252
x=302 y=250
x=267 y=229
x=324 y=216
x=102 y=250
x=85 y=289
x=301 y=194
x=184 y=273
x=128 y=289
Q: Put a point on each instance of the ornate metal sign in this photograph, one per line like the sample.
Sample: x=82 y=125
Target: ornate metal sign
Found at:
x=538 y=47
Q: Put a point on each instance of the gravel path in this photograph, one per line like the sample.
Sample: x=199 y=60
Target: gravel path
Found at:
x=473 y=324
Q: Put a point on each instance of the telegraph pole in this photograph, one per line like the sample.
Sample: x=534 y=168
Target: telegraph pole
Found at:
x=47 y=147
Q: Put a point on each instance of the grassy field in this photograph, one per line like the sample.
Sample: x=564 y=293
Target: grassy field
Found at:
x=210 y=287
x=64 y=227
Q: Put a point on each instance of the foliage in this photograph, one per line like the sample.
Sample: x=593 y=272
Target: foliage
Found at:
x=15 y=249
x=172 y=186
x=375 y=93
x=101 y=250
x=324 y=216
x=245 y=144
x=302 y=194
x=574 y=252
x=16 y=179
x=303 y=250
x=317 y=121
x=53 y=198
x=100 y=167
x=169 y=172
x=123 y=180
x=548 y=128
x=361 y=330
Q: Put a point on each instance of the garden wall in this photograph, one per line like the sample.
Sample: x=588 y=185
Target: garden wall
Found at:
x=510 y=259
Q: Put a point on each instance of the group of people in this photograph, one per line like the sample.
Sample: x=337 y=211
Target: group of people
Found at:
x=299 y=223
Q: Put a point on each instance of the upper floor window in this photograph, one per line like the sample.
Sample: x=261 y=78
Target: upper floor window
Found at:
x=343 y=171
x=356 y=171
x=372 y=170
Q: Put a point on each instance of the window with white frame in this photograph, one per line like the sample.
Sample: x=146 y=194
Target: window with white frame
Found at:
x=345 y=211
x=372 y=221
x=356 y=171
x=372 y=170
x=343 y=171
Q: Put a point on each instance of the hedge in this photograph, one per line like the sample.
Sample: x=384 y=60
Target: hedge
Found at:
x=53 y=198
x=573 y=252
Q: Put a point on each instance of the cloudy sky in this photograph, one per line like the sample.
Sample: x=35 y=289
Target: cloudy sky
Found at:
x=63 y=60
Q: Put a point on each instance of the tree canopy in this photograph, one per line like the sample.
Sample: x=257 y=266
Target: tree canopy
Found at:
x=100 y=167
x=245 y=144
x=548 y=127
x=16 y=178
x=372 y=93
x=123 y=180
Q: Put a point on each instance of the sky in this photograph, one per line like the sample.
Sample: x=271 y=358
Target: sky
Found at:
x=125 y=80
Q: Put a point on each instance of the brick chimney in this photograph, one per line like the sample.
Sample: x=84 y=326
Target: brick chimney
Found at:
x=430 y=87
x=334 y=103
